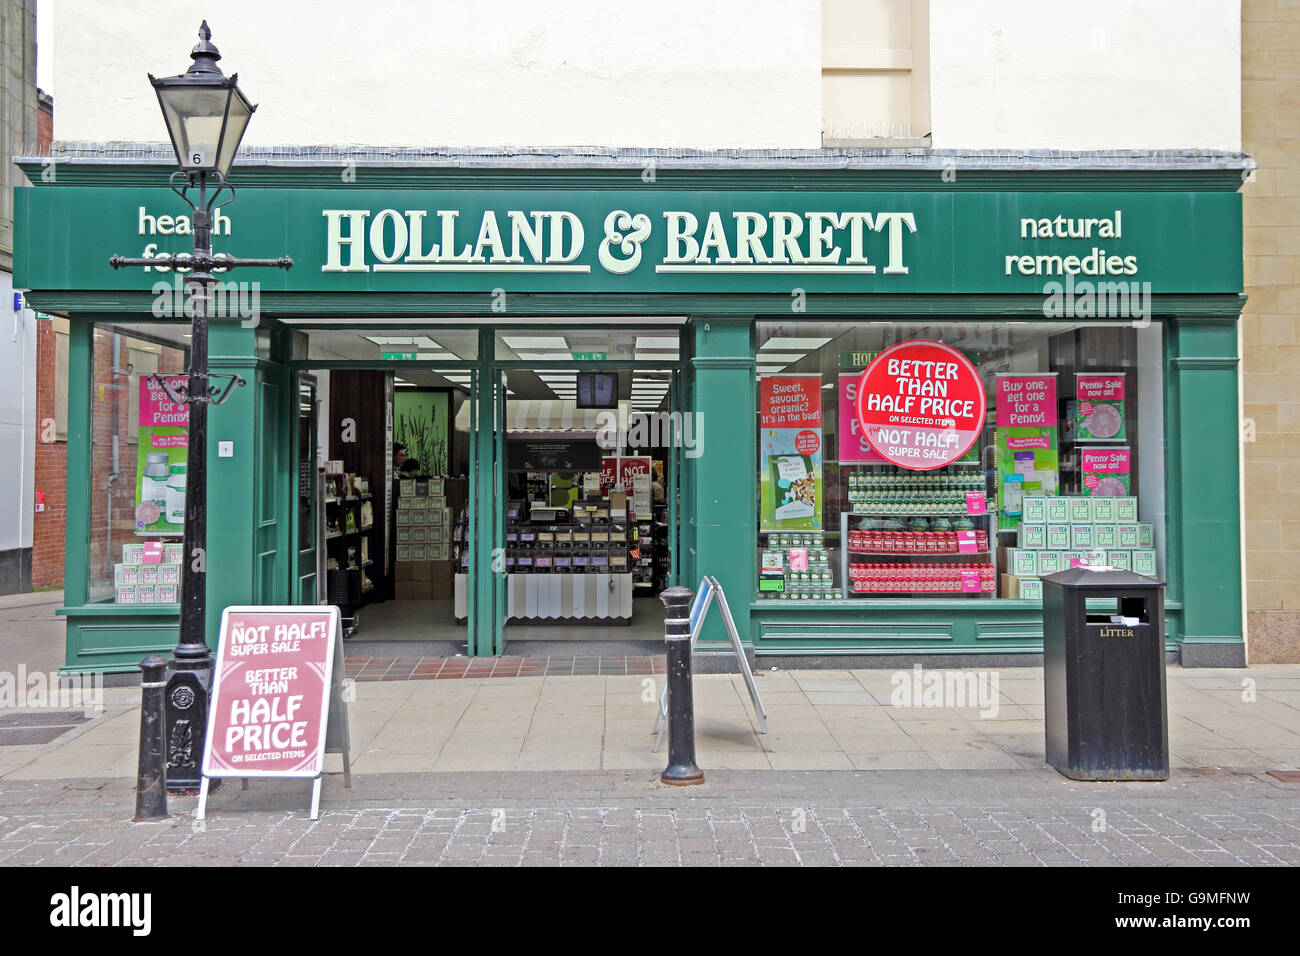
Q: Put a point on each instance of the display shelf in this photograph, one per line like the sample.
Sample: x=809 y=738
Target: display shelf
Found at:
x=867 y=569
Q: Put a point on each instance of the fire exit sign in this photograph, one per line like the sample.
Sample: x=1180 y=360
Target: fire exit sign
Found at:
x=590 y=356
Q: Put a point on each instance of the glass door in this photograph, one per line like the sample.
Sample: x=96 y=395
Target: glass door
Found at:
x=306 y=574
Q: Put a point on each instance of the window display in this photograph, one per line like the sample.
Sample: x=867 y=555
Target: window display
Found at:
x=138 y=454
x=955 y=460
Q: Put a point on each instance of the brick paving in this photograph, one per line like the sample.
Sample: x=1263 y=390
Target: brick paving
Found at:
x=737 y=818
x=443 y=668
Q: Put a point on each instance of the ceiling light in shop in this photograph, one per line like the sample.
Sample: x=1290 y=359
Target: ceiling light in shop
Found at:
x=545 y=356
x=769 y=369
x=807 y=345
x=517 y=342
x=784 y=357
x=658 y=342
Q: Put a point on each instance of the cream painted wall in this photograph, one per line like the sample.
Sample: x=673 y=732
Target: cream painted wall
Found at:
x=684 y=73
x=742 y=73
x=1105 y=74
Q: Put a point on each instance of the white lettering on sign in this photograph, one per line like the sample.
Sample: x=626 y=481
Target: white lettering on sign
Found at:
x=553 y=240
x=539 y=241
x=1096 y=262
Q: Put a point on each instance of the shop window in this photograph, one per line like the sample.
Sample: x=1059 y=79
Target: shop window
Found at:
x=1015 y=449
x=138 y=458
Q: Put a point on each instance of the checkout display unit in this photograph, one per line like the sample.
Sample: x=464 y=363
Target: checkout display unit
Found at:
x=562 y=563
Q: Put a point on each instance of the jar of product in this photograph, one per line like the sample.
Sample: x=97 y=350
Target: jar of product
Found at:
x=176 y=494
x=153 y=483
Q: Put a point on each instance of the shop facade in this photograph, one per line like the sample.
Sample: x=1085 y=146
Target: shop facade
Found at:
x=778 y=278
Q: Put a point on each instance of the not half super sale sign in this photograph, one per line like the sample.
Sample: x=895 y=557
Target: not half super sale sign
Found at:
x=270 y=697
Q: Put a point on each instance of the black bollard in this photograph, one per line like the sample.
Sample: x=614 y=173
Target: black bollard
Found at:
x=151 y=779
x=681 y=770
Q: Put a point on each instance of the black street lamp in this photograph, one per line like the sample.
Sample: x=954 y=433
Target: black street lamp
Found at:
x=206 y=116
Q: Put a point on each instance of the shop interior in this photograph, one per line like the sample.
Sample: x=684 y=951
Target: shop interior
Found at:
x=585 y=517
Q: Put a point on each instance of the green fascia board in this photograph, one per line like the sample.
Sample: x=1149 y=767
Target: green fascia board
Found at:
x=374 y=242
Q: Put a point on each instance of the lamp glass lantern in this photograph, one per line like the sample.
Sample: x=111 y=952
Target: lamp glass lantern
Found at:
x=206 y=112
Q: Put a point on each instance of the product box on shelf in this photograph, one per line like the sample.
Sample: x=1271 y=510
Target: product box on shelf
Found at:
x=1144 y=562
x=403 y=553
x=405 y=489
x=167 y=593
x=1122 y=560
x=1049 y=562
x=149 y=575
x=437 y=487
x=1126 y=509
x=1080 y=510
x=1146 y=535
x=1032 y=536
x=1126 y=536
x=419 y=553
x=404 y=534
x=133 y=553
x=173 y=554
x=1103 y=509
x=403 y=518
x=169 y=574
x=1031 y=589
x=144 y=595
x=1058 y=537
x=1034 y=510
x=126 y=594
x=1080 y=536
x=1104 y=536
x=1024 y=563
x=126 y=575
x=419 y=534
x=1058 y=510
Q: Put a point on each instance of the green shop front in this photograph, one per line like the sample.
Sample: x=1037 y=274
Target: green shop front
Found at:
x=1093 y=306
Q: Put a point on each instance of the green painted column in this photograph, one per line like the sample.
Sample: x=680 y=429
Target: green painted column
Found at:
x=245 y=560
x=1203 y=545
x=483 y=636
x=76 y=529
x=723 y=486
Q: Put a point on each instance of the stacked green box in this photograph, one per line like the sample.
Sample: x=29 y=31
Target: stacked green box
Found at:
x=1058 y=532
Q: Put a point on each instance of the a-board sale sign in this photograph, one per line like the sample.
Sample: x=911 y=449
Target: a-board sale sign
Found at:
x=921 y=404
x=270 y=695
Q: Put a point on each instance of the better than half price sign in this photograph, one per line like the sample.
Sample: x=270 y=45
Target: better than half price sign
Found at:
x=921 y=404
x=271 y=692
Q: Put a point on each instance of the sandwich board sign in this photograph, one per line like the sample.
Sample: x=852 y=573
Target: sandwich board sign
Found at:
x=275 y=692
x=704 y=598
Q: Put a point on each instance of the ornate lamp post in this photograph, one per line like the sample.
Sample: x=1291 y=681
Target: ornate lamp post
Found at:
x=206 y=115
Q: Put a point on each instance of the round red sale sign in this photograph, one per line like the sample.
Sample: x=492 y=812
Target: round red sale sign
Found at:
x=921 y=404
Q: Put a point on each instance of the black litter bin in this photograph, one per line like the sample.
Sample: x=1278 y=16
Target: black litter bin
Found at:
x=1104 y=675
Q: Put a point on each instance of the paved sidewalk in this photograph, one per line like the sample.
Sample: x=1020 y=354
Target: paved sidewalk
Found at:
x=819 y=720
x=738 y=818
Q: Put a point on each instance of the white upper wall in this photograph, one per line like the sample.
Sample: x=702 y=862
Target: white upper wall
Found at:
x=1105 y=74
x=739 y=73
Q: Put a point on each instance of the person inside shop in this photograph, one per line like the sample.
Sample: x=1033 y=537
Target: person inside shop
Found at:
x=399 y=457
x=410 y=468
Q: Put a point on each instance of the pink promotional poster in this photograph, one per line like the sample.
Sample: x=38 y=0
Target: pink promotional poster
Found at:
x=270 y=692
